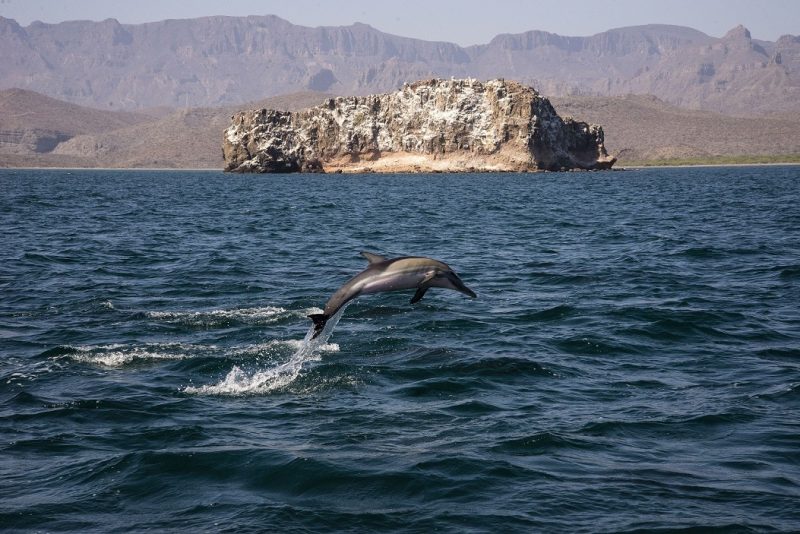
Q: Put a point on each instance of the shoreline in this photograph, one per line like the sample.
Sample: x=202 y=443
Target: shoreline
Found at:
x=703 y=165
x=161 y=169
x=630 y=167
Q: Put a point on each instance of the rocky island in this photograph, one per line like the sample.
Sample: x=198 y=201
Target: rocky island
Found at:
x=427 y=126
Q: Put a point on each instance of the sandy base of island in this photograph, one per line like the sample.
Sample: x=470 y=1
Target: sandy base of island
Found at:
x=412 y=162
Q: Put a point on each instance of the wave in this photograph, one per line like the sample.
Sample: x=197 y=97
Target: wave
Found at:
x=17 y=373
x=781 y=392
x=789 y=354
x=707 y=424
x=699 y=252
x=226 y=317
x=788 y=271
x=540 y=443
x=473 y=407
x=546 y=278
x=555 y=313
x=591 y=345
x=118 y=355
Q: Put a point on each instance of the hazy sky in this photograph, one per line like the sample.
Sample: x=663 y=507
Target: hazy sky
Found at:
x=464 y=22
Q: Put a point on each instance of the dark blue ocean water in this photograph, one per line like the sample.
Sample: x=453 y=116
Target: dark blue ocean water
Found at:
x=631 y=363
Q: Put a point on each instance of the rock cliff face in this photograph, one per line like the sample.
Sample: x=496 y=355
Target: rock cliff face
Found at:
x=427 y=126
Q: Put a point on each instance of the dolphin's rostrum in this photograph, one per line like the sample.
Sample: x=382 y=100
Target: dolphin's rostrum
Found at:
x=385 y=274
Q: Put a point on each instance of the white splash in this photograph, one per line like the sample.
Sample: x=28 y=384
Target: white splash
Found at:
x=239 y=382
x=274 y=346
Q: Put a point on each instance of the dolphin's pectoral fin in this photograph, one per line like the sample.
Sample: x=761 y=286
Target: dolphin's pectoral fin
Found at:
x=423 y=286
x=320 y=319
x=373 y=258
x=419 y=294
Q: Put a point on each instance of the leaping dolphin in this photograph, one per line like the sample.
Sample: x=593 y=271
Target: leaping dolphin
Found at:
x=384 y=274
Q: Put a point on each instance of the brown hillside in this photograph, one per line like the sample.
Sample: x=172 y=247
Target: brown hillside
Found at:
x=181 y=139
x=640 y=128
x=20 y=109
x=34 y=123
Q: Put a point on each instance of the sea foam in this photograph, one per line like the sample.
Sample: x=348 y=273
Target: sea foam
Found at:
x=118 y=355
x=240 y=382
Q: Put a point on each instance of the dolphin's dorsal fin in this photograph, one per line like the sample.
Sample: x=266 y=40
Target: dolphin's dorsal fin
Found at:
x=373 y=258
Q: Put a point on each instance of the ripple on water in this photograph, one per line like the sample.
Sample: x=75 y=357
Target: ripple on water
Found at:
x=708 y=425
x=543 y=443
x=596 y=346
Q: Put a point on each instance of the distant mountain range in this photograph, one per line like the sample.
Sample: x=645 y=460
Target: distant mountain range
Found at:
x=221 y=61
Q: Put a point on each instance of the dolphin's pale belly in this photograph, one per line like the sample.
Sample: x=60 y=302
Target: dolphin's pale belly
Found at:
x=393 y=281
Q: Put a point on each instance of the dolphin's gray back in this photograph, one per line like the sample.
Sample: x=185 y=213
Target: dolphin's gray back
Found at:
x=405 y=264
x=394 y=274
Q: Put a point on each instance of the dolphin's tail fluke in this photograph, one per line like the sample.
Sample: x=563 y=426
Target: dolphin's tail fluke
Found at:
x=319 y=322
